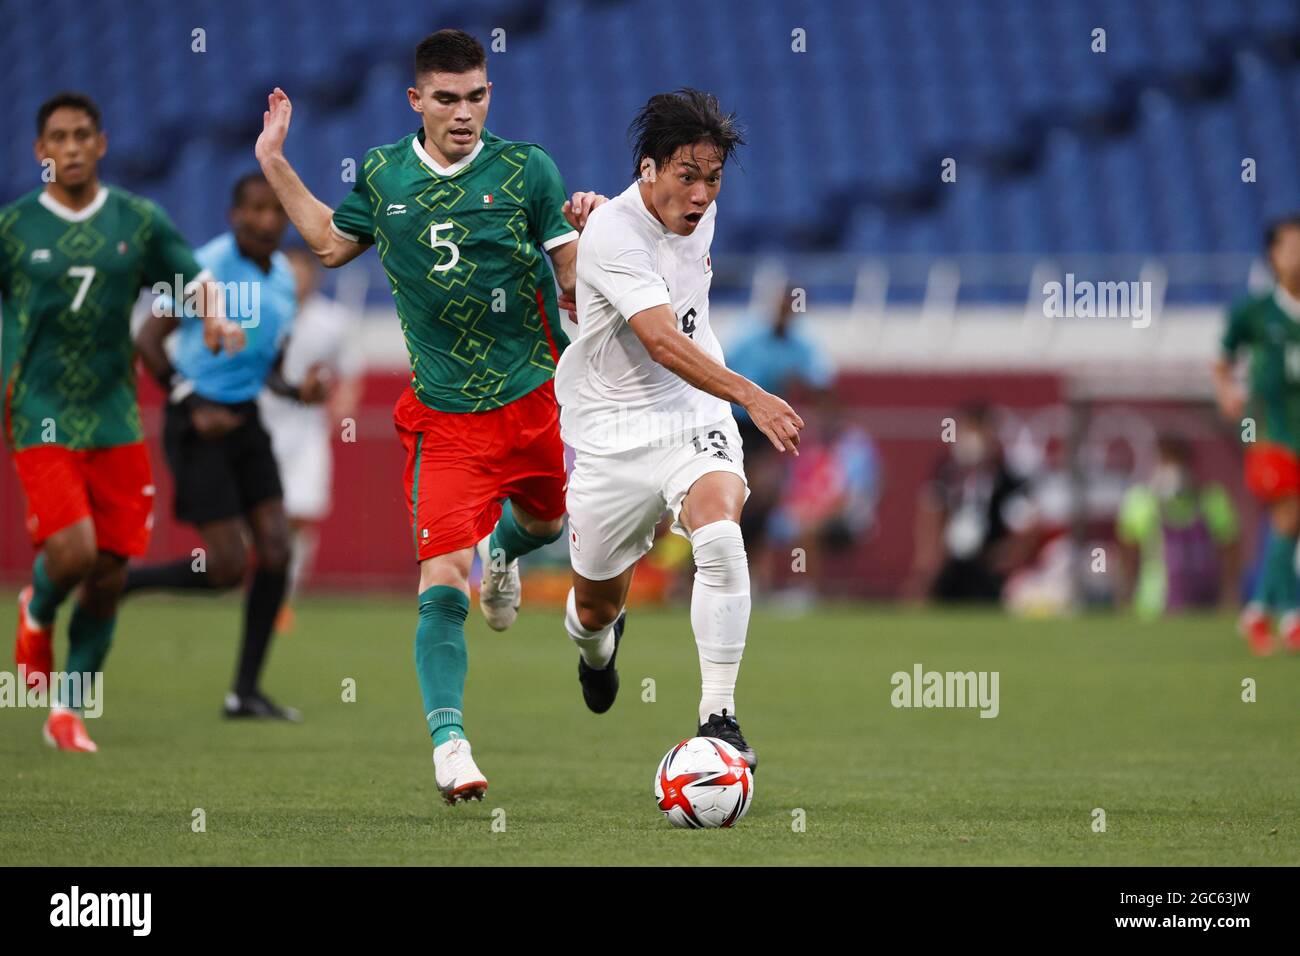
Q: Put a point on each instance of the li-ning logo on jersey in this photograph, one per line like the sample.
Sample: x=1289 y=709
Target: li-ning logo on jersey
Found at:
x=40 y=255
x=396 y=209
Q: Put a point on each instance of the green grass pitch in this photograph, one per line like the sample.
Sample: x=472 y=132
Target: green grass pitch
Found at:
x=1146 y=722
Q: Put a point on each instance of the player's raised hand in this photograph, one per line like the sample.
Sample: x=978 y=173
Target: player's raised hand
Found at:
x=275 y=125
x=775 y=419
x=577 y=209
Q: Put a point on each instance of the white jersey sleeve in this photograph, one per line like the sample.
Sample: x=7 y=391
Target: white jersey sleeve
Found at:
x=621 y=268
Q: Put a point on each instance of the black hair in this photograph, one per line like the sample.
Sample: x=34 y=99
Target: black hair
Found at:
x=669 y=121
x=448 y=51
x=71 y=100
x=1276 y=226
x=238 y=193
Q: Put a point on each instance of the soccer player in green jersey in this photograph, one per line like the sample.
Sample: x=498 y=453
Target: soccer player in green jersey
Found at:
x=73 y=258
x=1268 y=326
x=460 y=219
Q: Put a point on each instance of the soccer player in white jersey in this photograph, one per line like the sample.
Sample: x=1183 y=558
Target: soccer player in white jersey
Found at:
x=644 y=396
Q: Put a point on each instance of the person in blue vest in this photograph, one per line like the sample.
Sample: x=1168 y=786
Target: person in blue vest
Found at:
x=227 y=484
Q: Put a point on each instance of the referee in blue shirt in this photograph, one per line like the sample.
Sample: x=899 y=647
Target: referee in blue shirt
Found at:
x=226 y=481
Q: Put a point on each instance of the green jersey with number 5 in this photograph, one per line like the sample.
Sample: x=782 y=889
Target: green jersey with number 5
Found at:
x=69 y=280
x=1272 y=336
x=462 y=247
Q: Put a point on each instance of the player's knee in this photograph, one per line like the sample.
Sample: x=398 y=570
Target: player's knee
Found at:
x=720 y=559
x=70 y=560
x=539 y=528
x=226 y=567
x=595 y=613
x=273 y=554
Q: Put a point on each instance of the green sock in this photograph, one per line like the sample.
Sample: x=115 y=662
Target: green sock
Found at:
x=441 y=659
x=89 y=639
x=46 y=595
x=514 y=541
x=1280 y=568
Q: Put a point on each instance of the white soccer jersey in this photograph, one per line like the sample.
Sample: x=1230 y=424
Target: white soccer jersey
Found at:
x=612 y=395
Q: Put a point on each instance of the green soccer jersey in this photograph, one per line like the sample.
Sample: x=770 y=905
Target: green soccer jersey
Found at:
x=462 y=247
x=1273 y=337
x=69 y=280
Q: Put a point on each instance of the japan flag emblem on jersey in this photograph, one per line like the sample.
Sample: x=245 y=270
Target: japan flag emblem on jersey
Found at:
x=708 y=264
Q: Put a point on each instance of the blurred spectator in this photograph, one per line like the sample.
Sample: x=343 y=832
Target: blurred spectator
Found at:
x=828 y=500
x=324 y=336
x=781 y=360
x=1181 y=537
x=974 y=520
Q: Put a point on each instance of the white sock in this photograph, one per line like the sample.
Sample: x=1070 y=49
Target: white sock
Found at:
x=596 y=647
x=717 y=687
x=719 y=612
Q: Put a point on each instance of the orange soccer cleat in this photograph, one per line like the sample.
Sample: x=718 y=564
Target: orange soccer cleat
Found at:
x=1256 y=628
x=34 y=648
x=65 y=730
x=1291 y=633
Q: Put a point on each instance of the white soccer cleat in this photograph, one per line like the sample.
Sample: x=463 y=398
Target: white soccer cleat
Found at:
x=455 y=772
x=500 y=592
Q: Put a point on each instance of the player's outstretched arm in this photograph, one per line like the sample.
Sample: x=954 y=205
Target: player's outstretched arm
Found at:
x=658 y=332
x=308 y=214
x=1228 y=393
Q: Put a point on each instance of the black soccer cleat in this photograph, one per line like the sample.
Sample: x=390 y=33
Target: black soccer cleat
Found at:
x=258 y=706
x=600 y=687
x=724 y=727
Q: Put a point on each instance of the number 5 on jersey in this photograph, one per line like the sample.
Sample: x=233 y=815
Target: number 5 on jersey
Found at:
x=444 y=244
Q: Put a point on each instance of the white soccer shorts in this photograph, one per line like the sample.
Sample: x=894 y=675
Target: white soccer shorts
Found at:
x=616 y=500
x=306 y=471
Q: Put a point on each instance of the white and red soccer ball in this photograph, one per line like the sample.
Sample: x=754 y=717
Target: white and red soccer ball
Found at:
x=704 y=783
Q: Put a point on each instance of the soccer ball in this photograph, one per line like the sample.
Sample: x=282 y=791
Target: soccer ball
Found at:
x=704 y=783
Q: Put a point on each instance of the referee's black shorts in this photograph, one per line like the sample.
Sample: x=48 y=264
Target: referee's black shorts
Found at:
x=224 y=477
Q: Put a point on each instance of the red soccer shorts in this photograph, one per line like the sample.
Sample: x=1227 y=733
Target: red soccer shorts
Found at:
x=460 y=466
x=1272 y=472
x=113 y=486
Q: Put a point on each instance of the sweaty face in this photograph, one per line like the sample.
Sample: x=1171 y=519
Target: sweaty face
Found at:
x=1284 y=256
x=76 y=146
x=258 y=221
x=454 y=107
x=685 y=186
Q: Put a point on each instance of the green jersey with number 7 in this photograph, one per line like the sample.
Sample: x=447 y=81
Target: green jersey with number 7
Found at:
x=462 y=247
x=69 y=280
